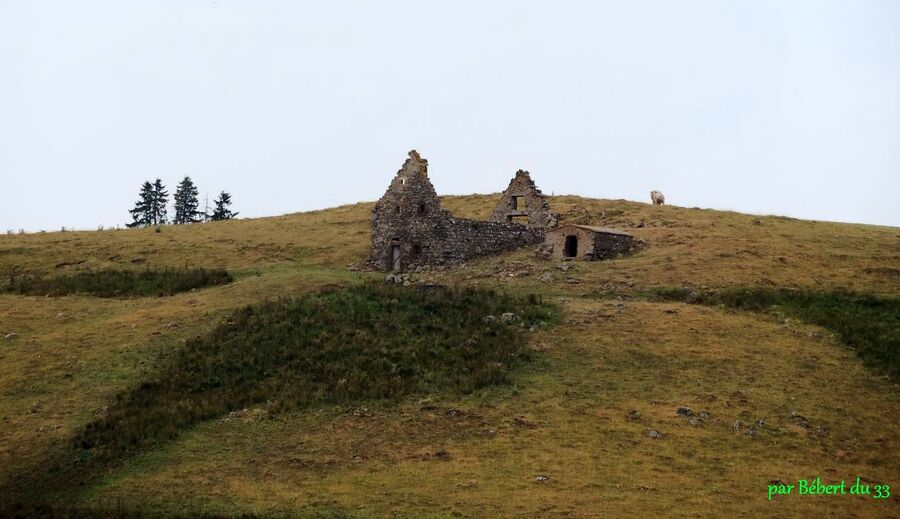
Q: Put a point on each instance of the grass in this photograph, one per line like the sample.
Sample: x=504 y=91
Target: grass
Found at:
x=567 y=416
x=45 y=511
x=369 y=342
x=868 y=324
x=365 y=342
x=118 y=282
x=698 y=247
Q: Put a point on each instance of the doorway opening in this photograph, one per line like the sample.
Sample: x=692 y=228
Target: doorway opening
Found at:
x=571 y=248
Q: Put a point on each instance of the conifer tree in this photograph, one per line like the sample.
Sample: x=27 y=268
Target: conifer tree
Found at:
x=141 y=214
x=158 y=205
x=186 y=202
x=223 y=208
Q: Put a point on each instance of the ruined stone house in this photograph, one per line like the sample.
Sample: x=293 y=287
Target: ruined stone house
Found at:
x=410 y=229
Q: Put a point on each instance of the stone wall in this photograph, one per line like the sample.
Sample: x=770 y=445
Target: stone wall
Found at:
x=410 y=229
x=556 y=242
x=522 y=200
x=459 y=239
x=592 y=245
x=407 y=214
x=608 y=246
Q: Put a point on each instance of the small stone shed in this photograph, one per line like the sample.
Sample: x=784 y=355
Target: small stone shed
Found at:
x=586 y=242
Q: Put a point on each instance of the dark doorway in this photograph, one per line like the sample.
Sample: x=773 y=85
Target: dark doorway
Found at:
x=395 y=255
x=571 y=248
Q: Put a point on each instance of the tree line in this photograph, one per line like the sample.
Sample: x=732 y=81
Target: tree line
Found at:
x=151 y=208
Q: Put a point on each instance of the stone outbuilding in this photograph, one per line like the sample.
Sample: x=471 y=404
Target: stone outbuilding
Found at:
x=410 y=229
x=586 y=242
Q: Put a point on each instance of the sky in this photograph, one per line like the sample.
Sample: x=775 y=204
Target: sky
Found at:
x=765 y=107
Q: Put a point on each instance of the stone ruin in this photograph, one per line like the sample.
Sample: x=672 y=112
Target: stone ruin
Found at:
x=410 y=229
x=523 y=202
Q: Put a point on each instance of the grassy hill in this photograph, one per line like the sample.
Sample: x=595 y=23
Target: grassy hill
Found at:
x=783 y=400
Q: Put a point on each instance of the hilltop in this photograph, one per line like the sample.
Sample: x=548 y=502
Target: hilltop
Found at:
x=614 y=370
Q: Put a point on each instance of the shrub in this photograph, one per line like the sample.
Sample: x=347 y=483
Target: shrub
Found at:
x=117 y=283
x=366 y=342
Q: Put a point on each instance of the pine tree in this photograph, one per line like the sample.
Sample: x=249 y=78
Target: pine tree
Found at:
x=158 y=204
x=186 y=202
x=141 y=214
x=223 y=208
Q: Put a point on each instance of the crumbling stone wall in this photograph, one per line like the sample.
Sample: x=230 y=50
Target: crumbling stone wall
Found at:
x=410 y=229
x=522 y=201
x=457 y=239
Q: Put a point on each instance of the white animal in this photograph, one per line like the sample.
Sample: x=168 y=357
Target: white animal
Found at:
x=657 y=197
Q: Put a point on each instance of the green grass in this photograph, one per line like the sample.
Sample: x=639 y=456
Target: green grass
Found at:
x=868 y=324
x=365 y=342
x=368 y=342
x=118 y=282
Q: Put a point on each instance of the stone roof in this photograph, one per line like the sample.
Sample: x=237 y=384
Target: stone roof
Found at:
x=593 y=228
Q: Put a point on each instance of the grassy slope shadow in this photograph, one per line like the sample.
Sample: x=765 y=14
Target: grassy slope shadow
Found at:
x=366 y=342
x=118 y=283
x=868 y=324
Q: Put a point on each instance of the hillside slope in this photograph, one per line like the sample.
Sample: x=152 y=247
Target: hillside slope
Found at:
x=613 y=371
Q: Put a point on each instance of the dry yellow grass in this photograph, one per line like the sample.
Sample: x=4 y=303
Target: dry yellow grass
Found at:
x=577 y=430
x=607 y=359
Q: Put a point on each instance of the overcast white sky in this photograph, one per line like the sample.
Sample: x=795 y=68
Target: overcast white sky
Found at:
x=766 y=107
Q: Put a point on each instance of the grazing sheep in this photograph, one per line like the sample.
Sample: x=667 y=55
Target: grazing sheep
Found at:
x=657 y=197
